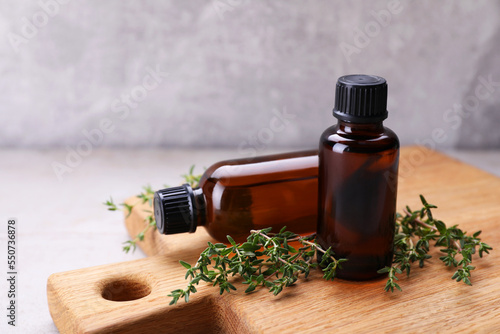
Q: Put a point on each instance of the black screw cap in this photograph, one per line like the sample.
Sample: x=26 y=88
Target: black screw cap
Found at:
x=361 y=98
x=174 y=211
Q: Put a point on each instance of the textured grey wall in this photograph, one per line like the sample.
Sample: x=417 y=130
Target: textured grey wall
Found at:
x=242 y=74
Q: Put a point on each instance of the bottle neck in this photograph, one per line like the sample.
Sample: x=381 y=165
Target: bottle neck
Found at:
x=348 y=127
x=199 y=207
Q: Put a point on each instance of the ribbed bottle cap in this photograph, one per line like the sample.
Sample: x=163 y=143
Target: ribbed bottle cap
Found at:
x=174 y=211
x=361 y=98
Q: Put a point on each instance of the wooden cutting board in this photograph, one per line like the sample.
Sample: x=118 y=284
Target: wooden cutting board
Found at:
x=131 y=297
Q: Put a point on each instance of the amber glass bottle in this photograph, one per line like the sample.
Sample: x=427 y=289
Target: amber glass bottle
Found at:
x=236 y=196
x=357 y=180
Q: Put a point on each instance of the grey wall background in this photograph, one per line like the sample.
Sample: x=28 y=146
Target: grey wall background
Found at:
x=73 y=67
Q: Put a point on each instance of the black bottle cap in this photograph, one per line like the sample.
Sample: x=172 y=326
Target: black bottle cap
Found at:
x=174 y=210
x=361 y=98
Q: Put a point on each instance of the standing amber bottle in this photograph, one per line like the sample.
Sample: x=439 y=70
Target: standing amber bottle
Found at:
x=357 y=180
x=236 y=196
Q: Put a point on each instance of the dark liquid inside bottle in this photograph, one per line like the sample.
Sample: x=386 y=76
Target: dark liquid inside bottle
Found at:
x=272 y=191
x=357 y=196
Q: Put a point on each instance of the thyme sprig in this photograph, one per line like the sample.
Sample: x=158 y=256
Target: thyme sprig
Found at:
x=146 y=196
x=414 y=232
x=192 y=179
x=266 y=259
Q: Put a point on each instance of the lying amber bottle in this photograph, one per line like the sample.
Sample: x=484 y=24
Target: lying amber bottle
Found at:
x=236 y=196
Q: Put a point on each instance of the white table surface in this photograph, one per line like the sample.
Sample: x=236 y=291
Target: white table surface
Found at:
x=63 y=225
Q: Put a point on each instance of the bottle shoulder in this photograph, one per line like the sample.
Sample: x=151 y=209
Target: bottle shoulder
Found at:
x=383 y=138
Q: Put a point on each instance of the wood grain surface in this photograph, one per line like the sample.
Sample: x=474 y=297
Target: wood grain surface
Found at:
x=98 y=299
